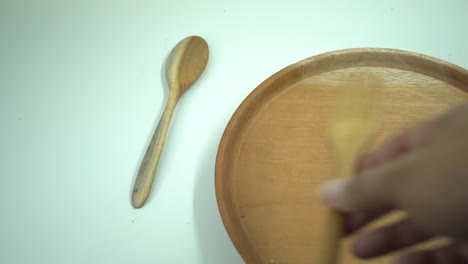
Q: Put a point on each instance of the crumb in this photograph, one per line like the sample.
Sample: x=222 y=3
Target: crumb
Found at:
x=133 y=221
x=450 y=54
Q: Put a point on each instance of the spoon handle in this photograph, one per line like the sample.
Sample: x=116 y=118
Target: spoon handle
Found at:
x=144 y=179
x=333 y=229
x=351 y=131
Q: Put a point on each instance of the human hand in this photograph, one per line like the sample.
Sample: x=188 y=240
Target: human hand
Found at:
x=423 y=172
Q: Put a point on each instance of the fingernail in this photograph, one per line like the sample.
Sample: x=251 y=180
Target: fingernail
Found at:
x=332 y=193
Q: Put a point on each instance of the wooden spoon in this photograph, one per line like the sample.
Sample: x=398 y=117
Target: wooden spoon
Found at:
x=185 y=64
x=351 y=131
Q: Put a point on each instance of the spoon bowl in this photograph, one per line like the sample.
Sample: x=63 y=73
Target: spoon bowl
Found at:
x=186 y=63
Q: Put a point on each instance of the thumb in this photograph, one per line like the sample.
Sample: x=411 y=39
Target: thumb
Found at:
x=372 y=189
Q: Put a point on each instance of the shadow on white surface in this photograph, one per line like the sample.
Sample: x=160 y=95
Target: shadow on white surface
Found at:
x=213 y=242
x=165 y=87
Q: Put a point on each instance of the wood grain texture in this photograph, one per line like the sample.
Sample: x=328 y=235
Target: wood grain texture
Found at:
x=273 y=153
x=184 y=65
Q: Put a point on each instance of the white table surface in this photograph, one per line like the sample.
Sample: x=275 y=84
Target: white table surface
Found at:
x=82 y=89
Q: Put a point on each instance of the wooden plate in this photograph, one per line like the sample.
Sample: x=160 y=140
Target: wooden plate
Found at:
x=273 y=152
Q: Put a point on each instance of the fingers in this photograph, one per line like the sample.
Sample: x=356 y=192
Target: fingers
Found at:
x=407 y=141
x=391 y=150
x=387 y=239
x=381 y=174
x=451 y=254
x=355 y=221
x=417 y=137
x=372 y=190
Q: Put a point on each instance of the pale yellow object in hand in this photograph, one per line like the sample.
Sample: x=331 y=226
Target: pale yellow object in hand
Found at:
x=351 y=130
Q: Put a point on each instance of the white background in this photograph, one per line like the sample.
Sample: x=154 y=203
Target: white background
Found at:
x=82 y=89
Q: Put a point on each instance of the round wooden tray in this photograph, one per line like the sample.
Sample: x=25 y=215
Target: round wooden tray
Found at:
x=273 y=153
